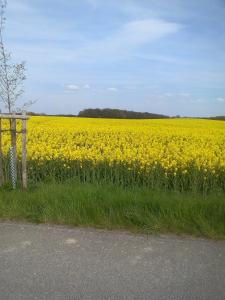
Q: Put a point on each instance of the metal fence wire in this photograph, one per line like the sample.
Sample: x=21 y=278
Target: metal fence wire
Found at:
x=13 y=170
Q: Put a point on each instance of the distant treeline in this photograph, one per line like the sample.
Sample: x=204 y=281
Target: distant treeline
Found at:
x=118 y=114
x=221 y=118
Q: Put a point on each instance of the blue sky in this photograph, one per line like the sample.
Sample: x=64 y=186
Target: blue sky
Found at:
x=146 y=55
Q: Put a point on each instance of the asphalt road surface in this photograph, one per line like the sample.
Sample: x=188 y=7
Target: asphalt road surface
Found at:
x=56 y=262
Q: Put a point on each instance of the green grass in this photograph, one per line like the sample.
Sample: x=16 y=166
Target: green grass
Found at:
x=111 y=207
x=194 y=180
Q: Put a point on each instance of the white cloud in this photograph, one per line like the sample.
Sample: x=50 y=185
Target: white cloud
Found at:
x=144 y=31
x=134 y=34
x=120 y=44
x=112 y=89
x=220 y=99
x=75 y=87
x=169 y=94
x=123 y=42
x=72 y=87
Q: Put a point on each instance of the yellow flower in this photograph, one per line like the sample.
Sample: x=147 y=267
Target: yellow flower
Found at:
x=170 y=147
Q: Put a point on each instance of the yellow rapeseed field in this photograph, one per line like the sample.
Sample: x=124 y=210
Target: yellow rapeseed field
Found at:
x=174 y=153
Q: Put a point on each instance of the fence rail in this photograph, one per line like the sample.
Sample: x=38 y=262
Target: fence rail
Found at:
x=14 y=116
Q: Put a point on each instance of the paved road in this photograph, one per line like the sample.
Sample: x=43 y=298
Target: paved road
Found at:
x=55 y=262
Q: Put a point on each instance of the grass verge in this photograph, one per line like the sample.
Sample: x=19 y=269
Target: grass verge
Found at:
x=111 y=207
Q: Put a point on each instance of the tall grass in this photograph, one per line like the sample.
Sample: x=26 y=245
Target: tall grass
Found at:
x=195 y=180
x=123 y=175
x=113 y=207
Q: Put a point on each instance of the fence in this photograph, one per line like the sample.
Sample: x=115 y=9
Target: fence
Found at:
x=13 y=159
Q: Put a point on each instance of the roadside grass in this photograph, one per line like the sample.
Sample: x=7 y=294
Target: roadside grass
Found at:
x=111 y=207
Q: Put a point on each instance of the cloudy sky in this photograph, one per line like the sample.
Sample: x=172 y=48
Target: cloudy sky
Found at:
x=146 y=55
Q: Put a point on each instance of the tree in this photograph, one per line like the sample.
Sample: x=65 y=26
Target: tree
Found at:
x=12 y=75
x=118 y=114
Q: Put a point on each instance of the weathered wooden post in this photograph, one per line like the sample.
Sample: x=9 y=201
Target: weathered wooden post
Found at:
x=24 y=152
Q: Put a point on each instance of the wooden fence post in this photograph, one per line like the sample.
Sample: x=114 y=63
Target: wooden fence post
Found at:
x=1 y=156
x=12 y=151
x=24 y=152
